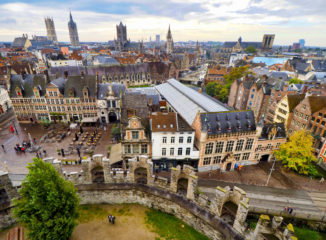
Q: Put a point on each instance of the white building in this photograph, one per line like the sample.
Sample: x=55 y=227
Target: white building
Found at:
x=172 y=141
x=67 y=62
x=5 y=102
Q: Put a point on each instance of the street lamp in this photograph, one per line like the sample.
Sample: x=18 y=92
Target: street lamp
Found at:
x=271 y=170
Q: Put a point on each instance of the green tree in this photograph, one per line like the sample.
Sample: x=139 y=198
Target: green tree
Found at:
x=211 y=88
x=251 y=49
x=295 y=81
x=297 y=153
x=48 y=203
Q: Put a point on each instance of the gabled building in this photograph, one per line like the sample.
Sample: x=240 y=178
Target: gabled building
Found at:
x=303 y=112
x=172 y=141
x=135 y=140
x=284 y=108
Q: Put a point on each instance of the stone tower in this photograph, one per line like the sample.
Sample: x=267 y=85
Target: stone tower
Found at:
x=169 y=42
x=50 y=30
x=73 y=34
x=122 y=42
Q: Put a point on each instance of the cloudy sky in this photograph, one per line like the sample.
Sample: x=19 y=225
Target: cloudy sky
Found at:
x=216 y=20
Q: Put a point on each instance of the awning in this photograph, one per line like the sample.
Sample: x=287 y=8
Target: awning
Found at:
x=89 y=119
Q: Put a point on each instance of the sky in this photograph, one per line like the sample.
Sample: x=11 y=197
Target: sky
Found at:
x=202 y=20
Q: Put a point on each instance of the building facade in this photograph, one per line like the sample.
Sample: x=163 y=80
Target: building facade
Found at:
x=230 y=139
x=5 y=102
x=73 y=33
x=172 y=141
x=121 y=43
x=135 y=141
x=50 y=30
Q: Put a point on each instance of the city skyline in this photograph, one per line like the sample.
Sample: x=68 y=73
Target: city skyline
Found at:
x=223 y=20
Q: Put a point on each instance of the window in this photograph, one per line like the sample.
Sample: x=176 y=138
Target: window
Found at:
x=207 y=161
x=256 y=156
x=306 y=117
x=179 y=151
x=55 y=94
x=180 y=139
x=229 y=146
x=189 y=139
x=209 y=148
x=239 y=145
x=187 y=151
x=164 y=139
x=144 y=148
x=269 y=146
x=113 y=104
x=51 y=94
x=171 y=151
x=163 y=151
x=237 y=156
x=323 y=123
x=135 y=148
x=127 y=149
x=277 y=145
x=249 y=143
x=219 y=147
x=245 y=156
x=304 y=106
x=217 y=159
x=135 y=134
x=318 y=120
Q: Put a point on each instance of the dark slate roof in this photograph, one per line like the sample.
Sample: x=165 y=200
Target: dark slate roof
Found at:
x=294 y=100
x=229 y=44
x=281 y=132
x=77 y=83
x=103 y=88
x=251 y=44
x=60 y=83
x=319 y=65
x=19 y=42
x=106 y=60
x=27 y=84
x=136 y=102
x=102 y=70
x=228 y=122
x=279 y=75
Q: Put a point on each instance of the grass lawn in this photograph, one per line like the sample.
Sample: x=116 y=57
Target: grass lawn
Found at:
x=169 y=227
x=140 y=86
x=307 y=234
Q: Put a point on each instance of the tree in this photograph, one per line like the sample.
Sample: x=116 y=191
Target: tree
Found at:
x=295 y=81
x=297 y=153
x=251 y=49
x=211 y=88
x=48 y=203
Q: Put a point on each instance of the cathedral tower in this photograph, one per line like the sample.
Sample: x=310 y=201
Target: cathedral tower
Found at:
x=50 y=30
x=73 y=34
x=169 y=42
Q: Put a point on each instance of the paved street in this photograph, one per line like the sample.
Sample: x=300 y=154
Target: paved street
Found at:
x=273 y=198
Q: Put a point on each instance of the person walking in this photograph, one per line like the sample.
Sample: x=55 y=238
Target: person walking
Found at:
x=110 y=218
x=44 y=152
x=3 y=148
x=113 y=220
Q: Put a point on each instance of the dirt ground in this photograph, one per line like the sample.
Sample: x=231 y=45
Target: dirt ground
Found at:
x=258 y=174
x=129 y=226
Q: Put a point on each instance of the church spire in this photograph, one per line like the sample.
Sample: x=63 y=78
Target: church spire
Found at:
x=71 y=20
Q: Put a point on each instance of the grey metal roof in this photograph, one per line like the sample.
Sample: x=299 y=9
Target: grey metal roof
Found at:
x=186 y=101
x=150 y=92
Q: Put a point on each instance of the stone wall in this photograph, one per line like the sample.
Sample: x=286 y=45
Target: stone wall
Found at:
x=199 y=218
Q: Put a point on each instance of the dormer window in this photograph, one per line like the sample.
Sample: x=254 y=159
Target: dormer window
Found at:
x=164 y=126
x=71 y=92
x=158 y=126
x=171 y=125
x=85 y=92
x=18 y=91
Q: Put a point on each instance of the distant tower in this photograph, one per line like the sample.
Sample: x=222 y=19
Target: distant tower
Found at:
x=268 y=41
x=121 y=43
x=169 y=42
x=158 y=39
x=302 y=42
x=141 y=46
x=73 y=34
x=50 y=30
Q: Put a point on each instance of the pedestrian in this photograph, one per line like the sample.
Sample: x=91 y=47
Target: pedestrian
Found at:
x=62 y=152
x=110 y=218
x=23 y=149
x=322 y=180
x=44 y=152
x=40 y=154
x=34 y=140
x=3 y=148
x=290 y=210
x=37 y=155
x=113 y=220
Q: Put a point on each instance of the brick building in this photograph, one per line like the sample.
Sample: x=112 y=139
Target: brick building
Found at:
x=227 y=139
x=239 y=92
x=304 y=111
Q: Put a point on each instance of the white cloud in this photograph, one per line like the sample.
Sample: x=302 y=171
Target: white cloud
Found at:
x=223 y=20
